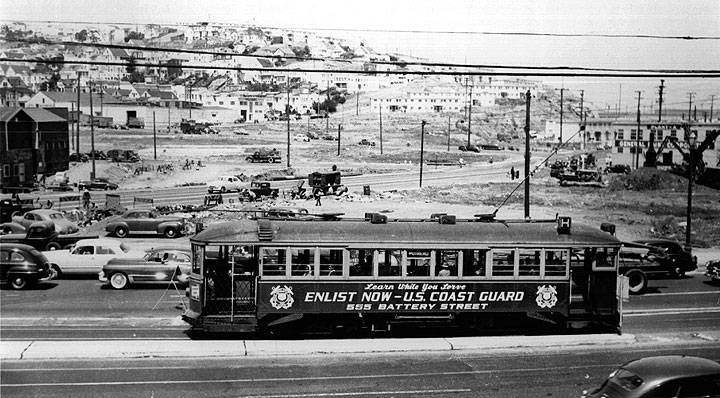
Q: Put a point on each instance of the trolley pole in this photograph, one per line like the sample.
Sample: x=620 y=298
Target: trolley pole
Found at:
x=422 y=148
x=527 y=154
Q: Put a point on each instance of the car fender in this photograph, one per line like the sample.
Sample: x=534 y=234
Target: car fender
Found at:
x=161 y=227
x=111 y=226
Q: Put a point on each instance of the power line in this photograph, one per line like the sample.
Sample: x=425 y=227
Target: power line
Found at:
x=342 y=60
x=413 y=31
x=547 y=73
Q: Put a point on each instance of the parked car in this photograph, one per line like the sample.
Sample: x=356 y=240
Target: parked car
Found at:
x=259 y=189
x=491 y=147
x=43 y=236
x=226 y=184
x=638 y=262
x=473 y=148
x=97 y=184
x=62 y=225
x=160 y=265
x=677 y=261
x=329 y=137
x=662 y=376
x=367 y=142
x=11 y=228
x=301 y=137
x=99 y=155
x=145 y=221
x=463 y=148
x=88 y=256
x=75 y=157
x=712 y=270
x=23 y=266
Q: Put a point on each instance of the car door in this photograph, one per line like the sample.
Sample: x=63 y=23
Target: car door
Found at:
x=103 y=254
x=132 y=220
x=79 y=260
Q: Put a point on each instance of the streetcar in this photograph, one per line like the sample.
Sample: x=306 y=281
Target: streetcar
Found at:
x=338 y=275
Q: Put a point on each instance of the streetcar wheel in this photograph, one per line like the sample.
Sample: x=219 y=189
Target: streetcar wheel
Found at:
x=19 y=282
x=637 y=281
x=118 y=280
x=121 y=232
x=171 y=233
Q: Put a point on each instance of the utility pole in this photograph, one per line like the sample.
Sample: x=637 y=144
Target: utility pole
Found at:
x=422 y=148
x=690 y=97
x=168 y=117
x=448 y=133
x=582 y=117
x=527 y=155
x=101 y=101
x=662 y=87
x=191 y=103
x=92 y=133
x=72 y=126
x=357 y=103
x=287 y=113
x=327 y=109
x=77 y=119
x=562 y=90
x=154 y=138
x=470 y=114
x=712 y=102
x=339 y=128
x=638 y=133
x=381 y=137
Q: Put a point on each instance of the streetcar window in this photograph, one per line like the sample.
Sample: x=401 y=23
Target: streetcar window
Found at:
x=503 y=262
x=389 y=262
x=474 y=263
x=302 y=262
x=273 y=261
x=418 y=262
x=361 y=262
x=556 y=263
x=331 y=262
x=446 y=263
x=197 y=259
x=605 y=258
x=529 y=263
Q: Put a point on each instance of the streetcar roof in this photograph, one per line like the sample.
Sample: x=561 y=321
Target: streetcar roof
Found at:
x=405 y=234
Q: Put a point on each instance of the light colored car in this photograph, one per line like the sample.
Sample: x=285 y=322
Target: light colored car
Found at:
x=301 y=137
x=62 y=225
x=88 y=256
x=160 y=265
x=145 y=221
x=226 y=184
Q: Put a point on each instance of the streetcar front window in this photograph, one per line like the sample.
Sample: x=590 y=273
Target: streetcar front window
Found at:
x=197 y=259
x=556 y=262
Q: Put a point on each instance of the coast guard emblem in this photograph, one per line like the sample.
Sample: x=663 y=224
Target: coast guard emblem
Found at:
x=281 y=297
x=546 y=296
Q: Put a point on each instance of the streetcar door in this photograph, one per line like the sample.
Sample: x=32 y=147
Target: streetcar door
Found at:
x=244 y=273
x=602 y=281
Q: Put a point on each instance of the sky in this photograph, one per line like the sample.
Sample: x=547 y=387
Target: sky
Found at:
x=437 y=25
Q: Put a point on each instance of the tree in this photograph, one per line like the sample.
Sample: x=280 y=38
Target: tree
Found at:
x=51 y=83
x=132 y=35
x=81 y=35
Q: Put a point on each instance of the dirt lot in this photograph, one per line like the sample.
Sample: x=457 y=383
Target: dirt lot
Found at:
x=637 y=209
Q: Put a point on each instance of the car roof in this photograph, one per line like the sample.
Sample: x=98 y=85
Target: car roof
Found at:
x=98 y=241
x=671 y=367
x=12 y=245
x=44 y=211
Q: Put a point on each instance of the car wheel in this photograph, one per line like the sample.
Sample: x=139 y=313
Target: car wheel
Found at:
x=118 y=280
x=19 y=282
x=171 y=233
x=57 y=271
x=121 y=232
x=52 y=246
x=637 y=281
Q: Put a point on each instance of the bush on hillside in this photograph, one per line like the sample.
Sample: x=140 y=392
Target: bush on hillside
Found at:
x=647 y=179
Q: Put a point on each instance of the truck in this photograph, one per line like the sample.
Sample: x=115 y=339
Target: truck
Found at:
x=258 y=190
x=43 y=236
x=123 y=155
x=135 y=123
x=264 y=156
x=327 y=183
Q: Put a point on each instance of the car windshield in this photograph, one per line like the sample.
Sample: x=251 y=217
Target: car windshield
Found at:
x=56 y=216
x=627 y=379
x=124 y=247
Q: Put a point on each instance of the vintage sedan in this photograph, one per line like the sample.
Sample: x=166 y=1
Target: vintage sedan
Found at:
x=62 y=224
x=145 y=221
x=678 y=260
x=88 y=256
x=97 y=184
x=23 y=266
x=161 y=265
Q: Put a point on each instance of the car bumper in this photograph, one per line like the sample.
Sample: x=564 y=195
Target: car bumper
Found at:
x=102 y=277
x=50 y=274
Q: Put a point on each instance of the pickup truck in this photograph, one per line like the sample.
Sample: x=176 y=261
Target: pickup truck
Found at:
x=264 y=157
x=43 y=236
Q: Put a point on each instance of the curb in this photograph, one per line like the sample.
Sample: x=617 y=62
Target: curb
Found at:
x=134 y=349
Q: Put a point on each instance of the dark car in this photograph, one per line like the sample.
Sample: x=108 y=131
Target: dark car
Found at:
x=145 y=221
x=662 y=376
x=161 y=265
x=473 y=148
x=75 y=157
x=97 y=184
x=678 y=261
x=367 y=142
x=22 y=265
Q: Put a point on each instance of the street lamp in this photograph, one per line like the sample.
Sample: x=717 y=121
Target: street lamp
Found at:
x=691 y=140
